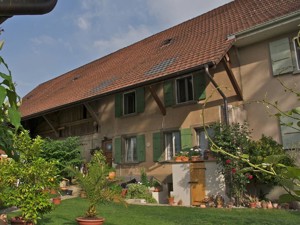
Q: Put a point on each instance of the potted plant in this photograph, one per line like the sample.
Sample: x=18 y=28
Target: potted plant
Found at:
x=182 y=156
x=24 y=180
x=171 y=200
x=98 y=188
x=252 y=201
x=195 y=154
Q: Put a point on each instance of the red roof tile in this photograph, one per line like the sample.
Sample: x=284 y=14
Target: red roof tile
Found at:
x=192 y=43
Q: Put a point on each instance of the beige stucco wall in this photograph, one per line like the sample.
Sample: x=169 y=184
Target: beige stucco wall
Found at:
x=258 y=84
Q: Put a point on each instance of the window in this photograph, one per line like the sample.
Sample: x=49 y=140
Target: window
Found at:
x=130 y=149
x=202 y=139
x=297 y=51
x=129 y=103
x=281 y=56
x=184 y=89
x=290 y=130
x=172 y=144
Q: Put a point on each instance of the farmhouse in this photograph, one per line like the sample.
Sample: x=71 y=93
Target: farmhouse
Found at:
x=144 y=103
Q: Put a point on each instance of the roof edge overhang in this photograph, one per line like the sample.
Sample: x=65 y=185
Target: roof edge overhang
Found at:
x=11 y=8
x=153 y=81
x=275 y=27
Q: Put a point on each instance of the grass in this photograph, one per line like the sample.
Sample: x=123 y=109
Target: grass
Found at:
x=65 y=214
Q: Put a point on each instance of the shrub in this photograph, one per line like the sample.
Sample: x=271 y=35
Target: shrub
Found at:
x=139 y=191
x=66 y=152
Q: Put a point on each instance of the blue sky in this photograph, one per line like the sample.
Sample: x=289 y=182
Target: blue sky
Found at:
x=41 y=47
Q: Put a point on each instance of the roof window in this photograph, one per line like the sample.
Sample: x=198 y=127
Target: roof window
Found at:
x=166 y=42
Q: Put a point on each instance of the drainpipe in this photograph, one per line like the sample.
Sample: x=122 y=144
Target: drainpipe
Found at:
x=220 y=92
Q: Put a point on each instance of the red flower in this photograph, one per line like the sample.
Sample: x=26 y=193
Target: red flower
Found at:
x=250 y=176
x=233 y=170
x=228 y=161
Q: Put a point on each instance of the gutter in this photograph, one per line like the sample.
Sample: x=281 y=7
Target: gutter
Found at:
x=206 y=69
x=9 y=8
x=263 y=27
x=26 y=7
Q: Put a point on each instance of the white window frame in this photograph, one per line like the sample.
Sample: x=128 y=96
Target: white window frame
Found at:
x=297 y=52
x=124 y=103
x=186 y=89
x=172 y=147
x=202 y=139
x=130 y=149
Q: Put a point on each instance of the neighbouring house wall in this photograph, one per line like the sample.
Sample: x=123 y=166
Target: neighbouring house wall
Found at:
x=214 y=180
x=259 y=83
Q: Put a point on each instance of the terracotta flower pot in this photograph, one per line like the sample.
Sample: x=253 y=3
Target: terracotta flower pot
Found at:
x=195 y=158
x=178 y=159
x=112 y=175
x=171 y=200
x=184 y=158
x=56 y=201
x=90 y=221
x=252 y=205
x=19 y=221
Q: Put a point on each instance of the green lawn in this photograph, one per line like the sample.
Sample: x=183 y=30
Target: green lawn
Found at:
x=66 y=213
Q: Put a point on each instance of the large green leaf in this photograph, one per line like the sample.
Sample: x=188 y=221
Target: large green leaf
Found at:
x=14 y=117
x=293 y=172
x=1 y=44
x=274 y=159
x=288 y=198
x=2 y=94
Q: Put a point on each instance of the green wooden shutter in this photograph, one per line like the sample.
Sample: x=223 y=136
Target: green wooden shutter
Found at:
x=290 y=130
x=281 y=57
x=169 y=93
x=199 y=80
x=140 y=96
x=118 y=105
x=157 y=147
x=118 y=150
x=186 y=139
x=141 y=149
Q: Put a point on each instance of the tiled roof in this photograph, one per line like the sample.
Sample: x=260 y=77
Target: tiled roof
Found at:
x=187 y=45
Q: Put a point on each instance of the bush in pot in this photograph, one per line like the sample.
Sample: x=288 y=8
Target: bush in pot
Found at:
x=97 y=186
x=24 y=181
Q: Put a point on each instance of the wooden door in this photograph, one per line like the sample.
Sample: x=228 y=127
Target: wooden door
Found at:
x=107 y=150
x=197 y=182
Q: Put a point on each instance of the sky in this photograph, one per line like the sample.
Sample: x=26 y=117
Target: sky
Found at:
x=38 y=48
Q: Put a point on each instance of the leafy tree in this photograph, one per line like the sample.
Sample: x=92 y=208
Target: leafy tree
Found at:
x=65 y=152
x=10 y=117
x=23 y=182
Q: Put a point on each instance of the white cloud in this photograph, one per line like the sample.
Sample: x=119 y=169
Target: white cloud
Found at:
x=119 y=41
x=172 y=12
x=43 y=40
x=83 y=23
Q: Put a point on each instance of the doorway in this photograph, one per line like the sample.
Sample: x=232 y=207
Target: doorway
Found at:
x=107 y=150
x=197 y=176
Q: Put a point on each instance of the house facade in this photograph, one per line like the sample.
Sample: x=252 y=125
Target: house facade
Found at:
x=148 y=101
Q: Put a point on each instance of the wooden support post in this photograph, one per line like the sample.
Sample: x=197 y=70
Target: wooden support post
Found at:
x=52 y=127
x=158 y=101
x=93 y=113
x=232 y=78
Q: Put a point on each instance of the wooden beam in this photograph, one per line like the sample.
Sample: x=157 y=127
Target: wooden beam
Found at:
x=231 y=76
x=52 y=127
x=92 y=112
x=158 y=101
